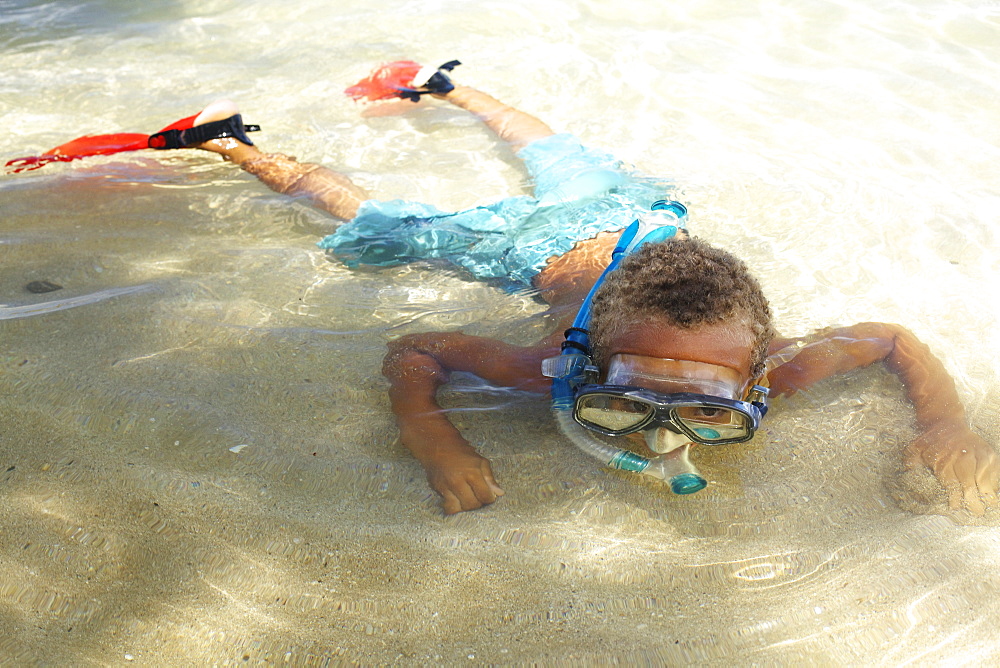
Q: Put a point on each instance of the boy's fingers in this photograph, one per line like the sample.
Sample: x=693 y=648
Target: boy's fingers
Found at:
x=955 y=497
x=989 y=494
x=973 y=503
x=988 y=475
x=946 y=476
x=466 y=491
x=483 y=491
x=467 y=495
x=491 y=481
x=964 y=491
x=963 y=477
x=970 y=478
x=981 y=484
x=986 y=480
x=450 y=503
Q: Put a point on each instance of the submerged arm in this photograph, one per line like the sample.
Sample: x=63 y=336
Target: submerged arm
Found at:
x=416 y=366
x=963 y=462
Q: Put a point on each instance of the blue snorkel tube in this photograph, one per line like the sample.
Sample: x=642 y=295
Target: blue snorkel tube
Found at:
x=573 y=367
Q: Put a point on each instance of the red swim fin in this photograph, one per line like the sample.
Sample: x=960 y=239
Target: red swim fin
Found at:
x=386 y=81
x=183 y=124
x=89 y=145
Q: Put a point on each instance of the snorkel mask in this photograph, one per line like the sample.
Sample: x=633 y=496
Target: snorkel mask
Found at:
x=678 y=402
x=697 y=400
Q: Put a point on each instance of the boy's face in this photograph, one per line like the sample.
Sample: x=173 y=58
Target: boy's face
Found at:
x=727 y=345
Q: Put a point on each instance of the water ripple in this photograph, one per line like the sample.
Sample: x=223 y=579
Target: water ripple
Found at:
x=8 y=312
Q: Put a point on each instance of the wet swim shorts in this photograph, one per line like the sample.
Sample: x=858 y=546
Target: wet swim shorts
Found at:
x=579 y=192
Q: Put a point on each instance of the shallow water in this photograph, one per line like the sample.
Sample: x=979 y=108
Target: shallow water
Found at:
x=199 y=463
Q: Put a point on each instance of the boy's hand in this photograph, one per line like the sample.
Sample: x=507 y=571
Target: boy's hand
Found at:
x=464 y=480
x=965 y=464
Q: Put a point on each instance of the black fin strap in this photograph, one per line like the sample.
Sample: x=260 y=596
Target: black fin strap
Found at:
x=439 y=84
x=411 y=93
x=229 y=127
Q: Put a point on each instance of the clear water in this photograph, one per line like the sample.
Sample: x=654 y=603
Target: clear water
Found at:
x=847 y=150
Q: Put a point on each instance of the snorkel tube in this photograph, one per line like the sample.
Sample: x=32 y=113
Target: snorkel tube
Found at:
x=678 y=470
x=573 y=367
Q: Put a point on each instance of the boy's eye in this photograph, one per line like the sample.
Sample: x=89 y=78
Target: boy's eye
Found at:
x=710 y=414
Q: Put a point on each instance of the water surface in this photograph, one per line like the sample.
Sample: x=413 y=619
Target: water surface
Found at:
x=199 y=464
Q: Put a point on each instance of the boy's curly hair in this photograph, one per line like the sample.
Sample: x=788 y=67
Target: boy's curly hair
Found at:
x=687 y=283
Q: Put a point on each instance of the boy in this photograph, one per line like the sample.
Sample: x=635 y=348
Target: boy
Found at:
x=672 y=310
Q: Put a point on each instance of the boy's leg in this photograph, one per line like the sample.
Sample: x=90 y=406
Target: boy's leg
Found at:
x=326 y=188
x=329 y=190
x=334 y=192
x=515 y=127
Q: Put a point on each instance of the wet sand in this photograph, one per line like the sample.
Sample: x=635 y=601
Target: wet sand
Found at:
x=207 y=472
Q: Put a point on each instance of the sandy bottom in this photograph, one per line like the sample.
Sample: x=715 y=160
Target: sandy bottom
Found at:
x=204 y=471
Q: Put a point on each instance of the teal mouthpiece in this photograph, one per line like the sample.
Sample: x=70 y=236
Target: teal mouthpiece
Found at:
x=687 y=483
x=705 y=432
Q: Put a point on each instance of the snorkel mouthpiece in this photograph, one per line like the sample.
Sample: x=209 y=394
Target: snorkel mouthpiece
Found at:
x=678 y=471
x=687 y=483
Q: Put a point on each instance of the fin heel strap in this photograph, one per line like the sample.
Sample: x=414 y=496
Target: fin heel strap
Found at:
x=438 y=83
x=229 y=127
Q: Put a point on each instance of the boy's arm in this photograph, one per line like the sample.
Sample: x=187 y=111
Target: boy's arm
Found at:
x=963 y=462
x=416 y=366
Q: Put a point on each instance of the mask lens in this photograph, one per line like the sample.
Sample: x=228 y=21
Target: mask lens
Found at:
x=713 y=423
x=611 y=413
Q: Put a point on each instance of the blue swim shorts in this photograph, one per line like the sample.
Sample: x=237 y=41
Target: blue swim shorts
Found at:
x=579 y=192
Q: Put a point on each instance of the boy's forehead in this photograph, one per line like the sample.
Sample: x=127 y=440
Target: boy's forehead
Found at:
x=728 y=345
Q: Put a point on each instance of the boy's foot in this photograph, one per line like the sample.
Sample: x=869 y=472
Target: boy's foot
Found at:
x=234 y=144
x=189 y=131
x=430 y=81
x=219 y=110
